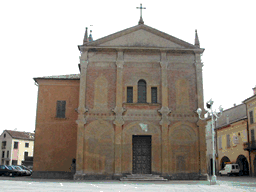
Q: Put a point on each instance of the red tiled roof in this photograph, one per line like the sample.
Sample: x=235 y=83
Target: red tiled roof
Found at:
x=21 y=135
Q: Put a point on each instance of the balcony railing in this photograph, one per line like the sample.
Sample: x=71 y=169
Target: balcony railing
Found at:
x=250 y=146
x=4 y=147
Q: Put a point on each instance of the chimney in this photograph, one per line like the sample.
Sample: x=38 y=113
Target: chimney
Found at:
x=254 y=90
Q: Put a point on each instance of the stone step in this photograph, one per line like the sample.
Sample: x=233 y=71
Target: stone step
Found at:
x=153 y=176
x=143 y=177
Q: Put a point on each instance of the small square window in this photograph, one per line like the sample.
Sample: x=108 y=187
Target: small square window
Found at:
x=26 y=145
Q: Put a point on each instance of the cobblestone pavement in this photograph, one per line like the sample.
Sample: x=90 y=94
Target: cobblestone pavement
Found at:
x=224 y=184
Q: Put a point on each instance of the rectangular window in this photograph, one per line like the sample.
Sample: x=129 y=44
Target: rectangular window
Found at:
x=251 y=117
x=129 y=94
x=252 y=135
x=7 y=154
x=26 y=145
x=4 y=145
x=3 y=154
x=154 y=94
x=228 y=140
x=25 y=155
x=14 y=162
x=61 y=109
x=220 y=142
x=15 y=145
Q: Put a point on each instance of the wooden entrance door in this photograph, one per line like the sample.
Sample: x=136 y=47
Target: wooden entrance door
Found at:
x=141 y=154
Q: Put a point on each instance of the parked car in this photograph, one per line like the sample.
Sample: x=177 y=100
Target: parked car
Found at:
x=23 y=171
x=5 y=170
x=230 y=169
x=11 y=167
x=26 y=168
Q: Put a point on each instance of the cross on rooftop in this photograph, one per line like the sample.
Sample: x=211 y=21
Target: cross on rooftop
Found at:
x=141 y=20
x=141 y=9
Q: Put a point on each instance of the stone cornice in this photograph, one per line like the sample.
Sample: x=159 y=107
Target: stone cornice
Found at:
x=160 y=49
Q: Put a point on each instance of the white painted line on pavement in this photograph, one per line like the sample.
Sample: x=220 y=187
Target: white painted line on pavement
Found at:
x=61 y=184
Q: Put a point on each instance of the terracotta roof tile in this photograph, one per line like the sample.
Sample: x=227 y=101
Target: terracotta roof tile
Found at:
x=234 y=114
x=67 y=77
x=21 y=135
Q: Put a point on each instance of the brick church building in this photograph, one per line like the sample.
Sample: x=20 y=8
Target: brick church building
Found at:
x=131 y=110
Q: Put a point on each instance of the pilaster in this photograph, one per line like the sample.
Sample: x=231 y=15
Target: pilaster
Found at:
x=201 y=124
x=81 y=115
x=165 y=112
x=119 y=110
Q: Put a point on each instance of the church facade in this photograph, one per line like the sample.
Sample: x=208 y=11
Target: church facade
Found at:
x=131 y=110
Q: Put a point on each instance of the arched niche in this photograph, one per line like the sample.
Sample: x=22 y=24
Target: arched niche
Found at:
x=100 y=93
x=183 y=148
x=99 y=148
x=182 y=95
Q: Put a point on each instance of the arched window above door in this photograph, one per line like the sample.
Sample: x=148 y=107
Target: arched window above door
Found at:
x=142 y=91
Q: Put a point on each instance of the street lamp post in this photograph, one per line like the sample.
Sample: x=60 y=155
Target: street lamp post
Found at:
x=214 y=118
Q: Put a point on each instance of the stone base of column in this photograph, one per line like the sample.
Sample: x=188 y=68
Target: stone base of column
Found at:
x=79 y=176
x=117 y=176
x=203 y=177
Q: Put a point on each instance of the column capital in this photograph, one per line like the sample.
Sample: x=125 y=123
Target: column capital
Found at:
x=120 y=64
x=165 y=112
x=164 y=64
x=199 y=65
x=119 y=115
x=81 y=115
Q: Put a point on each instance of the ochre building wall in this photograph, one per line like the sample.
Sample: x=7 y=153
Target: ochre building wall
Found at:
x=55 y=138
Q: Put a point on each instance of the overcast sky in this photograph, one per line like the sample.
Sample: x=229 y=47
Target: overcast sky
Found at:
x=40 y=38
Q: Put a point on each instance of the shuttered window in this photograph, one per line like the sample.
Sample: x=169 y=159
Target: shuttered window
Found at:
x=220 y=142
x=251 y=117
x=252 y=135
x=61 y=109
x=142 y=91
x=154 y=94
x=129 y=94
x=228 y=140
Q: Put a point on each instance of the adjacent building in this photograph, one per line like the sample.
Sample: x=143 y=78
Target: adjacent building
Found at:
x=16 y=146
x=250 y=146
x=231 y=135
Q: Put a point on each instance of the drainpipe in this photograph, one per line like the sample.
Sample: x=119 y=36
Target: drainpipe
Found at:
x=247 y=125
x=217 y=149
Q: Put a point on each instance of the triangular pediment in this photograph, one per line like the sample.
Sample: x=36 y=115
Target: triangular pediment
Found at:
x=141 y=36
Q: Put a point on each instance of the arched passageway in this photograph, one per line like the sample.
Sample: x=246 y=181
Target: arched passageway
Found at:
x=223 y=161
x=243 y=164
